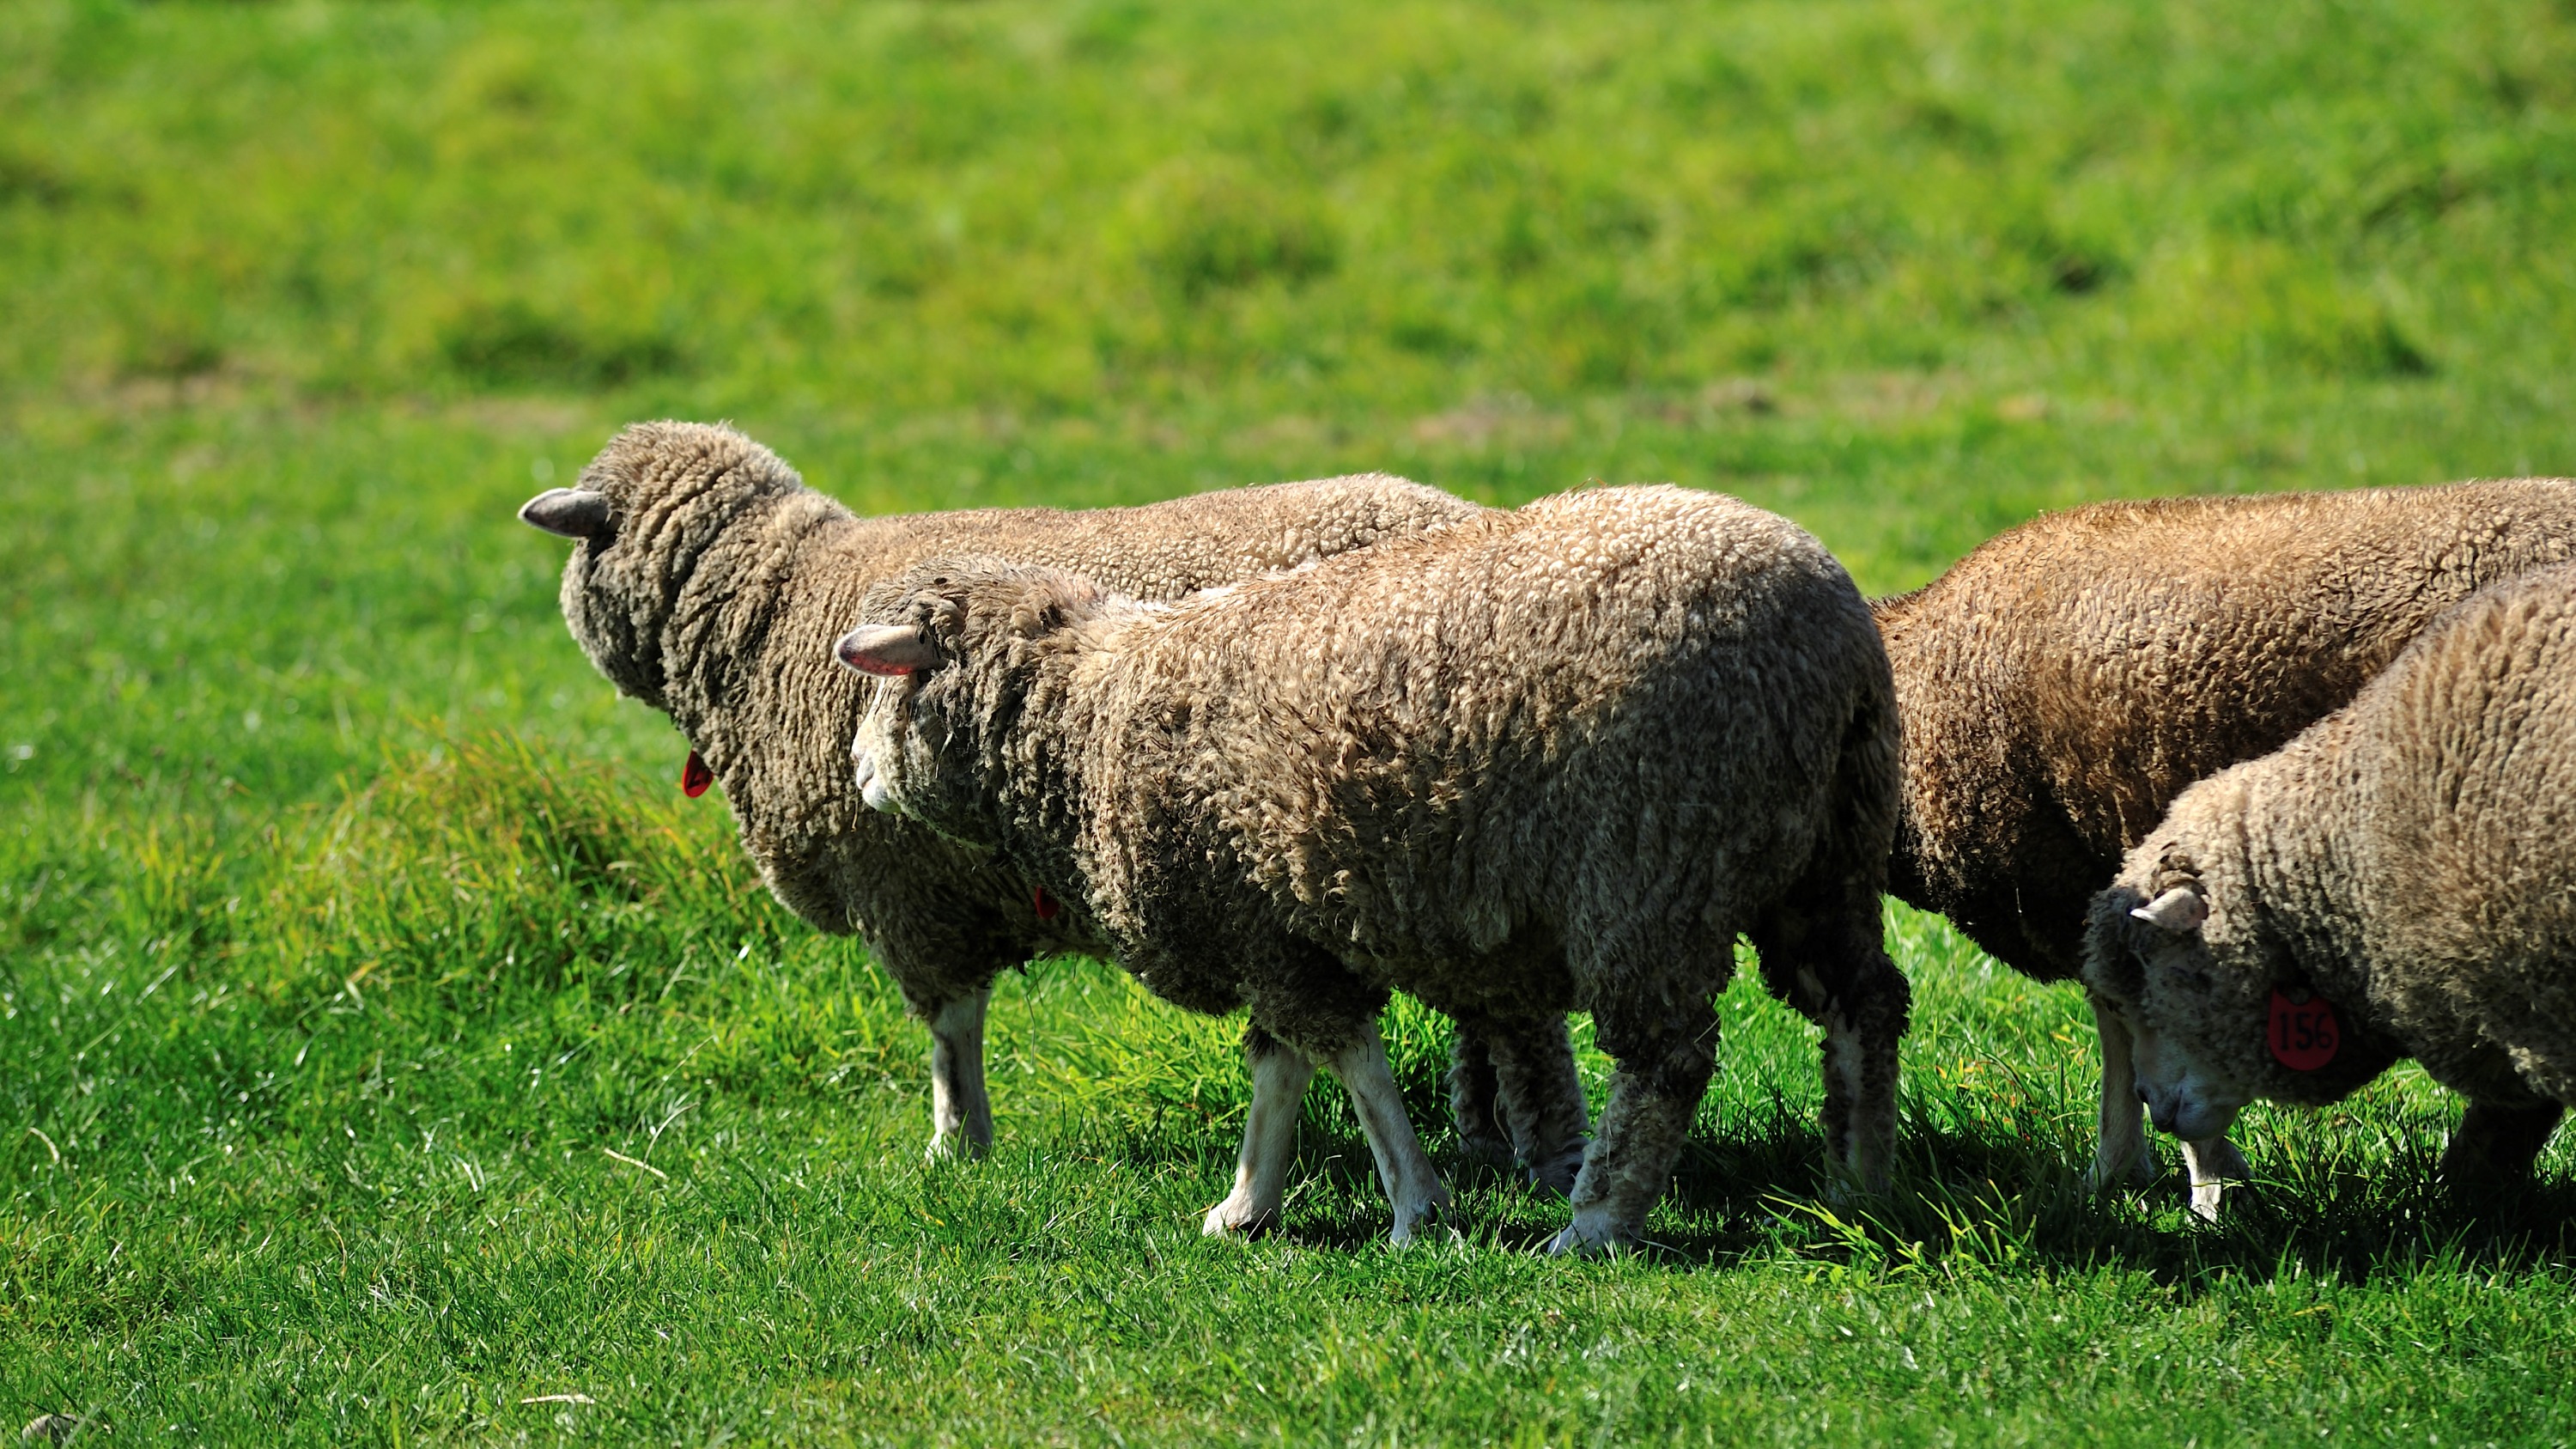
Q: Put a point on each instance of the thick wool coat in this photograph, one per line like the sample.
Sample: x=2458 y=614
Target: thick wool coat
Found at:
x=2409 y=859
x=2064 y=682
x=717 y=594
x=1538 y=761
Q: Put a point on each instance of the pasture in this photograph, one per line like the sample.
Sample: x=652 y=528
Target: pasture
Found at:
x=390 y=1054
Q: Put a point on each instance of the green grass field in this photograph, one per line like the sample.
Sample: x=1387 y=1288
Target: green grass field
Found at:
x=389 y=1054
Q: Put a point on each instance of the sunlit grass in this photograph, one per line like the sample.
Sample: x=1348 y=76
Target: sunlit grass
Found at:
x=390 y=1051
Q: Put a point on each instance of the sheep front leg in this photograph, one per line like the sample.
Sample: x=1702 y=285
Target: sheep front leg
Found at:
x=2498 y=1142
x=1662 y=1071
x=1475 y=1102
x=1538 y=1096
x=1279 y=1076
x=1413 y=1188
x=961 y=1115
x=2213 y=1163
x=2121 y=1153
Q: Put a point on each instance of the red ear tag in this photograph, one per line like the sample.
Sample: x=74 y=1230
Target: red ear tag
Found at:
x=695 y=777
x=1045 y=904
x=2303 y=1034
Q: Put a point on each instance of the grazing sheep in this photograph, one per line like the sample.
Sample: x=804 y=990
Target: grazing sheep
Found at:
x=710 y=583
x=2065 y=681
x=1538 y=761
x=2400 y=880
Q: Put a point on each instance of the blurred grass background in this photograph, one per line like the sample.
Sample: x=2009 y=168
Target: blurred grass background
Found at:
x=348 y=924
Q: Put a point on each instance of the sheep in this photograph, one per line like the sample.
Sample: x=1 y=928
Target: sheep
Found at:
x=1537 y=761
x=710 y=583
x=2399 y=880
x=2064 y=682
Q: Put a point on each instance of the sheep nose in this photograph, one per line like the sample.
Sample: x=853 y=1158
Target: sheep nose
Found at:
x=2142 y=1098
x=2164 y=1117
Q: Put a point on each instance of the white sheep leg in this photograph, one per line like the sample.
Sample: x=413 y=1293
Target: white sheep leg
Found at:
x=1413 y=1188
x=1868 y=1106
x=2214 y=1163
x=961 y=1115
x=2121 y=1155
x=1279 y=1076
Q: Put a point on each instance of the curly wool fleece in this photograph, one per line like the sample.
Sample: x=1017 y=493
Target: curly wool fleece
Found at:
x=1538 y=761
x=710 y=583
x=2409 y=860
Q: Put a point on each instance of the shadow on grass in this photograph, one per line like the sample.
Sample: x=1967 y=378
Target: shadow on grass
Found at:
x=1973 y=1203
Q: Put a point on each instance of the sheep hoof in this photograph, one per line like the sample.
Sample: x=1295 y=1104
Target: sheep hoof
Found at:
x=954 y=1147
x=2138 y=1175
x=1594 y=1239
x=1556 y=1174
x=1412 y=1219
x=1232 y=1216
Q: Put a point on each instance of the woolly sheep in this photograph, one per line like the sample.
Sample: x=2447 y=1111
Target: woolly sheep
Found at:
x=1538 y=761
x=2400 y=880
x=710 y=584
x=2063 y=683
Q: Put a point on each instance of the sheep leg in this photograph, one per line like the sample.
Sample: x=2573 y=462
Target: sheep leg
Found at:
x=1413 y=1188
x=2122 y=1153
x=1475 y=1105
x=2497 y=1143
x=1516 y=1096
x=1662 y=1071
x=1540 y=1098
x=2213 y=1163
x=961 y=1114
x=1279 y=1076
x=1830 y=963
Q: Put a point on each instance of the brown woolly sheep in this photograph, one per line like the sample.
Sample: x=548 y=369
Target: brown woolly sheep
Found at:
x=2064 y=682
x=710 y=583
x=1537 y=761
x=2400 y=880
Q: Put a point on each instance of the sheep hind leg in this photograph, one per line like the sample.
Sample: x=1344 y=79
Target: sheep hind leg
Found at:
x=2497 y=1144
x=1831 y=965
x=1663 y=1066
x=1412 y=1186
x=961 y=1112
x=1279 y=1076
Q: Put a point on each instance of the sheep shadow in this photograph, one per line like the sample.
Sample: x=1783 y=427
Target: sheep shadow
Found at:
x=1978 y=1202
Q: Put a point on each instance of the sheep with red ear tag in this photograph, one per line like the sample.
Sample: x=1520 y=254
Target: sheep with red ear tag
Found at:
x=2397 y=881
x=709 y=582
x=2064 y=682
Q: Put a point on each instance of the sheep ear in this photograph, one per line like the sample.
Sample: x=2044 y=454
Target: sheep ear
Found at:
x=2180 y=910
x=890 y=650
x=569 y=512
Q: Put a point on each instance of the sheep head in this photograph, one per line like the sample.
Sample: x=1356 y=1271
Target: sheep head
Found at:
x=954 y=646
x=2195 y=1025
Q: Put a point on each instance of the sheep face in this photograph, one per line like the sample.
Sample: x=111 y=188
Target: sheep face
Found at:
x=2194 y=1025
